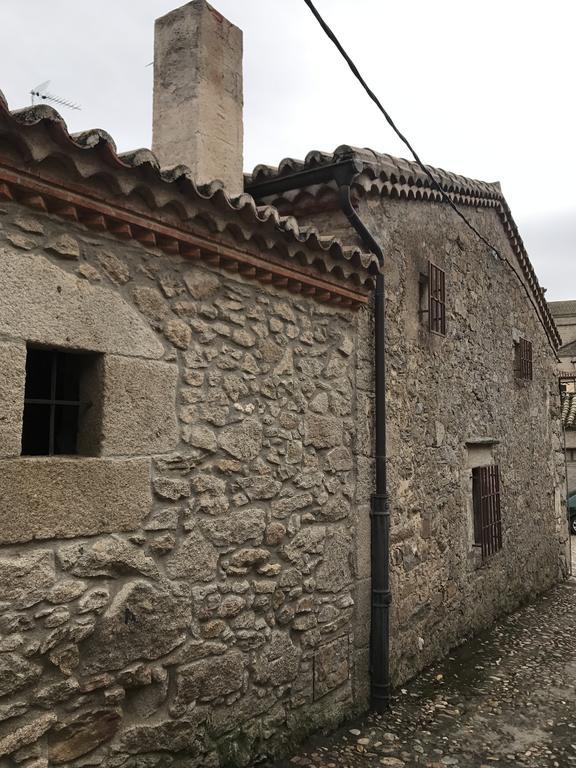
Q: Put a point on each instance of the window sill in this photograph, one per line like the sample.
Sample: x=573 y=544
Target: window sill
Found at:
x=475 y=558
x=47 y=497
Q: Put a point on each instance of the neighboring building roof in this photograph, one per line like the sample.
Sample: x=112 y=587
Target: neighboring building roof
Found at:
x=562 y=308
x=133 y=189
x=404 y=179
x=568 y=400
x=568 y=350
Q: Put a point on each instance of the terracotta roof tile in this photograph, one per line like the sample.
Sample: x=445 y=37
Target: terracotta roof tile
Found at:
x=392 y=169
x=262 y=223
x=568 y=350
x=569 y=410
x=396 y=177
x=562 y=308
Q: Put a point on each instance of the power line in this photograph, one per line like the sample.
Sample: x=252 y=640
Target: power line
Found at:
x=330 y=34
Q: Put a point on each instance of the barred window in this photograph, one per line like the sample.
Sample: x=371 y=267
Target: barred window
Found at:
x=52 y=406
x=523 y=359
x=436 y=299
x=486 y=508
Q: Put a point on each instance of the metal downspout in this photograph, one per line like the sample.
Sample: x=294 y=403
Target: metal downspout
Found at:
x=342 y=172
x=379 y=510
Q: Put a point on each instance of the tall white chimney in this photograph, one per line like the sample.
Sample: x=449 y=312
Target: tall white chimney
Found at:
x=198 y=96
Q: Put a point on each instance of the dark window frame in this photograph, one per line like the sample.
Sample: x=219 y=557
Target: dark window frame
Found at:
x=487 y=509
x=524 y=359
x=58 y=430
x=436 y=299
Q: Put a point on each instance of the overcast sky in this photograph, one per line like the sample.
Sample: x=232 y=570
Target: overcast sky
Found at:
x=483 y=89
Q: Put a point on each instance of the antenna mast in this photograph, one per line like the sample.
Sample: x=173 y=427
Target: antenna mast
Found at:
x=40 y=92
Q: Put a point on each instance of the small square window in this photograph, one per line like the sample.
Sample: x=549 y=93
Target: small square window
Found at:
x=53 y=408
x=523 y=359
x=436 y=299
x=486 y=509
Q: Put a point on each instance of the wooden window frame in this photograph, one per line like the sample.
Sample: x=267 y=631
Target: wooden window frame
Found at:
x=487 y=509
x=436 y=299
x=524 y=359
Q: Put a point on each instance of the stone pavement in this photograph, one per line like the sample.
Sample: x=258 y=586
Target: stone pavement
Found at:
x=506 y=698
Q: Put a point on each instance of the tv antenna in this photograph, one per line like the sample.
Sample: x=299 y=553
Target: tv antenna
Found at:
x=41 y=93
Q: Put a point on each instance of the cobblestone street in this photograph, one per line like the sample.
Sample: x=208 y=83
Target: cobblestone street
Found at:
x=507 y=698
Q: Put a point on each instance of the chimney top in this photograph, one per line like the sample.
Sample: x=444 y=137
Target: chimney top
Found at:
x=198 y=100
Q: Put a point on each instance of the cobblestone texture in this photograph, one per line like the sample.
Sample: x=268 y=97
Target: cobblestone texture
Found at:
x=505 y=698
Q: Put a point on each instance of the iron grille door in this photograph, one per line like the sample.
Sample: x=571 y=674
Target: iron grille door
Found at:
x=487 y=513
x=436 y=299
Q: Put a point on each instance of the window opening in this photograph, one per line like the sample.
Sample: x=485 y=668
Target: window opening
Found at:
x=436 y=299
x=52 y=406
x=524 y=359
x=487 y=512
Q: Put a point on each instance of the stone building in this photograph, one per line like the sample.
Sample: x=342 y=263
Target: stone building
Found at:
x=564 y=314
x=568 y=399
x=186 y=428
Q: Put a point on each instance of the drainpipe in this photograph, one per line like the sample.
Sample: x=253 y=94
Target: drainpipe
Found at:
x=379 y=510
x=342 y=172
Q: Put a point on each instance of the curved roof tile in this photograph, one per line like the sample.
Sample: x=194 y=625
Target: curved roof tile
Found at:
x=562 y=308
x=265 y=223
x=396 y=177
x=568 y=410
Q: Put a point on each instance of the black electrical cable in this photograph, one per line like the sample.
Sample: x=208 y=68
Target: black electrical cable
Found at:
x=423 y=167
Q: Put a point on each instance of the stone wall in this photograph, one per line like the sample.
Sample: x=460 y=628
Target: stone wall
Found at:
x=184 y=593
x=454 y=403
x=195 y=588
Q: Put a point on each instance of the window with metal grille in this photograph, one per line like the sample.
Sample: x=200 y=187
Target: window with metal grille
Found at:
x=52 y=406
x=436 y=299
x=486 y=505
x=523 y=355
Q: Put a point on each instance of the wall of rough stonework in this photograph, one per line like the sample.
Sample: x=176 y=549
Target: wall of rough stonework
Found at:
x=186 y=591
x=444 y=397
